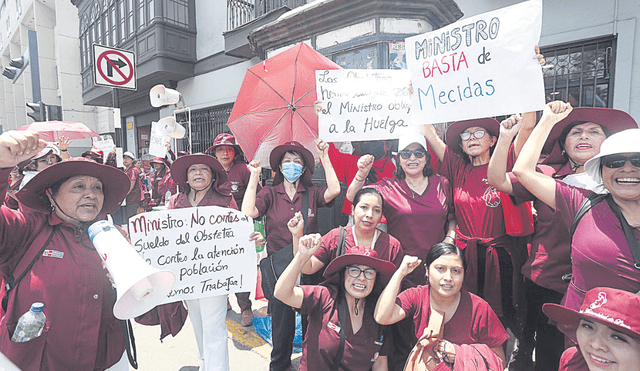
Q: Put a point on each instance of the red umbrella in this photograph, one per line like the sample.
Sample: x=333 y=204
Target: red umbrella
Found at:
x=275 y=102
x=52 y=130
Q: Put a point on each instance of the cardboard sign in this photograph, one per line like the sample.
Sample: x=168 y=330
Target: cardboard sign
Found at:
x=480 y=66
x=104 y=143
x=157 y=142
x=207 y=248
x=363 y=104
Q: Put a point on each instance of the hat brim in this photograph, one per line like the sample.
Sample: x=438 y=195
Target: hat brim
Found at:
x=278 y=152
x=115 y=183
x=452 y=136
x=612 y=119
x=236 y=147
x=181 y=165
x=384 y=268
x=592 y=166
x=571 y=318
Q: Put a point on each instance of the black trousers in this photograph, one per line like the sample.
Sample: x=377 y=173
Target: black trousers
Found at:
x=283 y=327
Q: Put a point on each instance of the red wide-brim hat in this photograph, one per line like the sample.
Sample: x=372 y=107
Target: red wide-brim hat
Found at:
x=224 y=139
x=613 y=119
x=181 y=165
x=360 y=255
x=115 y=183
x=452 y=136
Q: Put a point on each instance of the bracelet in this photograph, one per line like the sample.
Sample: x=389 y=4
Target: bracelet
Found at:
x=63 y=150
x=360 y=180
x=452 y=238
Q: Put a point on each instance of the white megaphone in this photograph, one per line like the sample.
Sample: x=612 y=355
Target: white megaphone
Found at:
x=168 y=127
x=160 y=96
x=140 y=286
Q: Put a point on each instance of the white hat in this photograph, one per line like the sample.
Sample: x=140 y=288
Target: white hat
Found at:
x=412 y=136
x=626 y=141
x=129 y=154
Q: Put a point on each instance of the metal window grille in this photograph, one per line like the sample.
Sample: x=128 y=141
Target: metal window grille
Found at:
x=206 y=124
x=239 y=12
x=582 y=72
x=265 y=6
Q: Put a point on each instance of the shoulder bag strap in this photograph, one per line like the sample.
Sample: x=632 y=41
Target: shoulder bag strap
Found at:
x=634 y=246
x=341 y=242
x=12 y=283
x=342 y=317
x=130 y=343
x=305 y=209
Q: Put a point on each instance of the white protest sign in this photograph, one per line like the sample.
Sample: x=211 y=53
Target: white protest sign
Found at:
x=480 y=66
x=157 y=142
x=104 y=143
x=207 y=248
x=363 y=104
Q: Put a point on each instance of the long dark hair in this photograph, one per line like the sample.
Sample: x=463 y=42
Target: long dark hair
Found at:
x=444 y=248
x=427 y=170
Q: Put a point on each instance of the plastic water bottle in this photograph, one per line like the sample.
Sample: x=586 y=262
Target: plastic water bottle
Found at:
x=258 y=226
x=30 y=324
x=167 y=196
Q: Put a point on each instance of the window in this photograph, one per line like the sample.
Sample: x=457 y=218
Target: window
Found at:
x=130 y=19
x=177 y=12
x=581 y=73
x=123 y=26
x=206 y=124
x=141 y=21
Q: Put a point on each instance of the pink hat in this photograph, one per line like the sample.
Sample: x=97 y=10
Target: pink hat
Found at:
x=615 y=308
x=452 y=137
x=157 y=160
x=115 y=183
x=224 y=139
x=181 y=165
x=360 y=255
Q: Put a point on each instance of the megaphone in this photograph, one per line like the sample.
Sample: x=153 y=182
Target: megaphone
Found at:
x=160 y=96
x=168 y=127
x=140 y=286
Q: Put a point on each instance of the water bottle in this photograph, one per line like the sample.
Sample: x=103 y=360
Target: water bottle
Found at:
x=258 y=226
x=30 y=324
x=167 y=196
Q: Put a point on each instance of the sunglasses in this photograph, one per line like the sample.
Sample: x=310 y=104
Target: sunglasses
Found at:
x=406 y=153
x=355 y=272
x=477 y=134
x=615 y=162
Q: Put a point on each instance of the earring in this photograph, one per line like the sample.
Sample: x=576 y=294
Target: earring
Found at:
x=564 y=153
x=53 y=207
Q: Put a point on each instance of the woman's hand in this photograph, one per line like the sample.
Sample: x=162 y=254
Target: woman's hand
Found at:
x=539 y=56
x=510 y=127
x=18 y=146
x=446 y=351
x=63 y=143
x=257 y=237
x=296 y=225
x=365 y=163
x=322 y=147
x=309 y=244
x=555 y=111
x=255 y=167
x=409 y=263
x=317 y=107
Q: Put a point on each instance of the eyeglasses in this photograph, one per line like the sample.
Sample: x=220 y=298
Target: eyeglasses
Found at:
x=614 y=162
x=406 y=153
x=477 y=134
x=355 y=272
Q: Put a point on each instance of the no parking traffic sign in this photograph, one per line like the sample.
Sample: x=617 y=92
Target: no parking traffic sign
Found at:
x=114 y=68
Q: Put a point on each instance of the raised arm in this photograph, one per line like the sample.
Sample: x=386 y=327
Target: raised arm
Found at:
x=438 y=146
x=333 y=184
x=387 y=311
x=63 y=146
x=540 y=185
x=497 y=170
x=18 y=146
x=365 y=163
x=296 y=227
x=249 y=200
x=286 y=290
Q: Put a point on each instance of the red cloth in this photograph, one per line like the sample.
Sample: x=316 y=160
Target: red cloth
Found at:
x=323 y=334
x=162 y=183
x=274 y=203
x=474 y=322
x=135 y=196
x=476 y=357
x=11 y=202
x=387 y=247
x=600 y=252
x=572 y=360
x=346 y=167
x=237 y=180
x=81 y=332
x=417 y=221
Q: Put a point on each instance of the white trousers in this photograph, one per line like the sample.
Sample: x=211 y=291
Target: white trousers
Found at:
x=208 y=317
x=122 y=364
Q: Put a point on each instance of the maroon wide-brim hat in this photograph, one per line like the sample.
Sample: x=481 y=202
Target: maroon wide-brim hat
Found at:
x=157 y=160
x=615 y=308
x=224 y=139
x=115 y=183
x=612 y=119
x=278 y=153
x=181 y=165
x=360 y=255
x=452 y=136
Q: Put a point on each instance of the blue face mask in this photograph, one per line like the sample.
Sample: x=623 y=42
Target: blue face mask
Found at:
x=291 y=171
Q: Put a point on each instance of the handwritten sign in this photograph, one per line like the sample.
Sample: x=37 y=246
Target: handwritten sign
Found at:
x=104 y=143
x=207 y=248
x=480 y=66
x=157 y=142
x=363 y=104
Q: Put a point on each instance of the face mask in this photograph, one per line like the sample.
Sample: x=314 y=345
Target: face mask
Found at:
x=291 y=171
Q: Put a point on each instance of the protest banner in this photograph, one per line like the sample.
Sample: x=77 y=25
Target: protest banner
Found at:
x=363 y=104
x=481 y=66
x=207 y=248
x=157 y=142
x=104 y=143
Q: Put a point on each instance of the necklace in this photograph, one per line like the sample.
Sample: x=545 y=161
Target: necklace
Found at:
x=416 y=190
